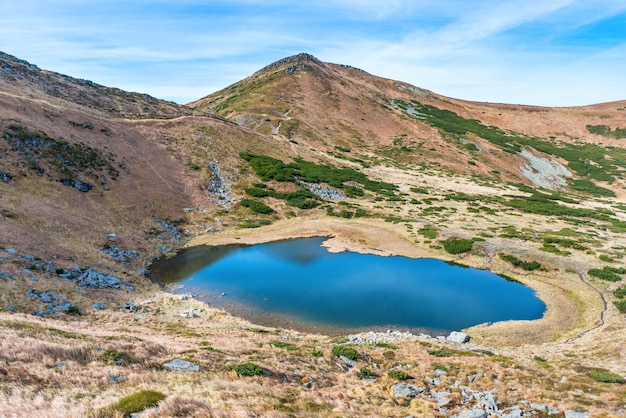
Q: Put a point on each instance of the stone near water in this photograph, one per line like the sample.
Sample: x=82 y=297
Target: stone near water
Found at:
x=458 y=337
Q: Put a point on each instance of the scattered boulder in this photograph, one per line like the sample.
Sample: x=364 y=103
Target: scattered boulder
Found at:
x=96 y=280
x=576 y=414
x=5 y=177
x=129 y=307
x=458 y=337
x=98 y=305
x=179 y=365
x=406 y=390
x=470 y=413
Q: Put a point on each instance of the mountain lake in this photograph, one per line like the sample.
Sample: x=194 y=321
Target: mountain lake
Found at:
x=297 y=284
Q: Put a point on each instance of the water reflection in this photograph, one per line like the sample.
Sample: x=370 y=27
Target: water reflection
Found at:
x=300 y=284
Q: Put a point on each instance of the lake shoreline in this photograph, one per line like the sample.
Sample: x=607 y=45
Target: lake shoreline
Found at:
x=570 y=306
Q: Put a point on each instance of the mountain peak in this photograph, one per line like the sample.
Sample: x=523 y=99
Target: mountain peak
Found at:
x=294 y=62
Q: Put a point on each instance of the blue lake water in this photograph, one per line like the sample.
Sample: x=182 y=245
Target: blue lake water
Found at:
x=298 y=284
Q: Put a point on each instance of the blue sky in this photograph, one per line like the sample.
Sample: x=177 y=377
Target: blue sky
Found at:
x=550 y=52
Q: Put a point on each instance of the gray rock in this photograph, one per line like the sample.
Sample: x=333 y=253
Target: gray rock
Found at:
x=458 y=337
x=515 y=412
x=406 y=390
x=472 y=377
x=576 y=414
x=112 y=237
x=5 y=177
x=470 y=413
x=10 y=308
x=488 y=402
x=116 y=378
x=539 y=406
x=97 y=280
x=98 y=305
x=179 y=365
x=348 y=362
x=11 y=251
x=129 y=307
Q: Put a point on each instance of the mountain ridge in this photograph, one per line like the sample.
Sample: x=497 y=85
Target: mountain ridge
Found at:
x=97 y=183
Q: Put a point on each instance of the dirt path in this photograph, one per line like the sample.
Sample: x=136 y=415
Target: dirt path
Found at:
x=601 y=322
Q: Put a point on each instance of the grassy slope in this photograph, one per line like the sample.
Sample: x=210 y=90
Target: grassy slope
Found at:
x=336 y=115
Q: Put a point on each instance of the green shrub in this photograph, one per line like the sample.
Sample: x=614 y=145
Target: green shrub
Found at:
x=620 y=292
x=283 y=344
x=399 y=375
x=73 y=310
x=604 y=376
x=137 y=402
x=111 y=356
x=442 y=352
x=248 y=369
x=606 y=258
x=457 y=245
x=346 y=351
x=607 y=273
x=621 y=306
x=428 y=232
x=524 y=265
x=256 y=206
x=365 y=373
x=387 y=345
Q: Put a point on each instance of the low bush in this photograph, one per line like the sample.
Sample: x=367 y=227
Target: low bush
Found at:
x=365 y=373
x=111 y=356
x=621 y=306
x=524 y=265
x=457 y=245
x=620 y=292
x=610 y=274
x=605 y=376
x=442 y=352
x=136 y=402
x=248 y=369
x=283 y=344
x=347 y=352
x=256 y=206
x=399 y=375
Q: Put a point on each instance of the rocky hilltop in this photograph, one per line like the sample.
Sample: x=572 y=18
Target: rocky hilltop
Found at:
x=96 y=183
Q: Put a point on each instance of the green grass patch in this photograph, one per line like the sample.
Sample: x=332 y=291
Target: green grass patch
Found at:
x=256 y=206
x=248 y=369
x=441 y=352
x=285 y=345
x=136 y=402
x=611 y=274
x=524 y=265
x=457 y=245
x=604 y=376
x=399 y=375
x=269 y=168
x=346 y=351
x=365 y=373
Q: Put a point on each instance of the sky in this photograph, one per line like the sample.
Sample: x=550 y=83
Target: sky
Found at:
x=538 y=52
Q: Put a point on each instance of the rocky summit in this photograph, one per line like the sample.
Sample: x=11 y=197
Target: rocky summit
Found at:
x=98 y=184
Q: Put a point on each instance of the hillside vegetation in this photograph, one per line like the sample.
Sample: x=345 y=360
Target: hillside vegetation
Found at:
x=96 y=183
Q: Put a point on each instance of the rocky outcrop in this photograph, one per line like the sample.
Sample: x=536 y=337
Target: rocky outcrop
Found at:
x=112 y=101
x=406 y=390
x=218 y=185
x=294 y=62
